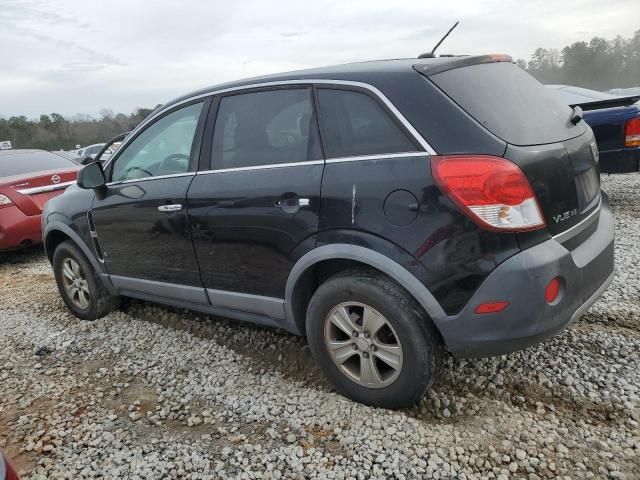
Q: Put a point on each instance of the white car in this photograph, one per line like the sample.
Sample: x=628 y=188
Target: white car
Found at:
x=93 y=150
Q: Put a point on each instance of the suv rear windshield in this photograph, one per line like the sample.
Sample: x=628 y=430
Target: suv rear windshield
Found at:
x=509 y=102
x=14 y=163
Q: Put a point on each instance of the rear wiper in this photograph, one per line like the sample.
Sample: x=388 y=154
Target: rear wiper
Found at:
x=576 y=115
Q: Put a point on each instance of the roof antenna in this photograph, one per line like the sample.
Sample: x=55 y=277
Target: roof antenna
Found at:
x=432 y=54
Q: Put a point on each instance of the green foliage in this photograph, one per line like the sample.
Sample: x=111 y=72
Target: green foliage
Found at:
x=599 y=64
x=55 y=132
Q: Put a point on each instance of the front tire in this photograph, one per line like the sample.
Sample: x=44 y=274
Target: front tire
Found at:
x=82 y=292
x=373 y=340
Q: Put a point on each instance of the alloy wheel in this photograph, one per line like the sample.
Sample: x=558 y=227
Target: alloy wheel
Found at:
x=75 y=283
x=363 y=344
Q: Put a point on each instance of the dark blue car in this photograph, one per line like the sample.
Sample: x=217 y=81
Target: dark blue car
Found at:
x=615 y=121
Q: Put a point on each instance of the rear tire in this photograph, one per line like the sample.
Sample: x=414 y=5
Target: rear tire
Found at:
x=81 y=290
x=394 y=352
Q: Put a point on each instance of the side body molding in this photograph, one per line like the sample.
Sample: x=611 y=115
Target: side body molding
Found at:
x=368 y=257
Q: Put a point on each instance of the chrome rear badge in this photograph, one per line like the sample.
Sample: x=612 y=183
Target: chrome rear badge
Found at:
x=565 y=216
x=55 y=179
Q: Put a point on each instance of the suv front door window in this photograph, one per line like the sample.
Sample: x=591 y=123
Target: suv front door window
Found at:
x=162 y=149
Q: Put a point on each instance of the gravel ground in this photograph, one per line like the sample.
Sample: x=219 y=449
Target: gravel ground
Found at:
x=150 y=392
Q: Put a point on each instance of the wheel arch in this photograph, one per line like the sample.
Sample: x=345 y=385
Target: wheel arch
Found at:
x=303 y=278
x=55 y=233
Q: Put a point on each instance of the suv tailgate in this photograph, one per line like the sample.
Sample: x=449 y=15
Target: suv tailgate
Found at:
x=558 y=157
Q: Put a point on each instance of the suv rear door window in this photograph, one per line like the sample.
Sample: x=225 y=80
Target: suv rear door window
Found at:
x=265 y=128
x=510 y=103
x=355 y=124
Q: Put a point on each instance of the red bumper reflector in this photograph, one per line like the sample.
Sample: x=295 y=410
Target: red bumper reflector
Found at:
x=491 y=307
x=552 y=290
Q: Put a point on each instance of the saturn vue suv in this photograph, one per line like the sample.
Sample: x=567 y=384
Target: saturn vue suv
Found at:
x=390 y=211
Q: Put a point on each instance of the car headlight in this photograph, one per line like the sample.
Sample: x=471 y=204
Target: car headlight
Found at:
x=5 y=201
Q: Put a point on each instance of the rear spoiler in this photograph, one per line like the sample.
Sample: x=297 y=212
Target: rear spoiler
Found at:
x=442 y=64
x=609 y=103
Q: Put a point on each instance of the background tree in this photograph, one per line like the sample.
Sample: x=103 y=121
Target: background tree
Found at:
x=599 y=64
x=55 y=132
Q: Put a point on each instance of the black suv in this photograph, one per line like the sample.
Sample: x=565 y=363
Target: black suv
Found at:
x=388 y=210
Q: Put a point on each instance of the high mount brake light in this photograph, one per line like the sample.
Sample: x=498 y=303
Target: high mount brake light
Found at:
x=500 y=57
x=632 y=133
x=492 y=191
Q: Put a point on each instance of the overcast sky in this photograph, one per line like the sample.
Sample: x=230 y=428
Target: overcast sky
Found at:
x=80 y=56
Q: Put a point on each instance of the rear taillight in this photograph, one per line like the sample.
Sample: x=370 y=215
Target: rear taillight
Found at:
x=492 y=191
x=632 y=133
x=5 y=201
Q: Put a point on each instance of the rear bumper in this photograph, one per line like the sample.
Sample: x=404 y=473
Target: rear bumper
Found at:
x=18 y=230
x=586 y=271
x=625 y=160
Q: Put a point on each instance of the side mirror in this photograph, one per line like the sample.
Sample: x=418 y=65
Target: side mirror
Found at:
x=86 y=161
x=91 y=176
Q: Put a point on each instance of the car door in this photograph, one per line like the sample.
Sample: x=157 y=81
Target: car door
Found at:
x=256 y=210
x=140 y=221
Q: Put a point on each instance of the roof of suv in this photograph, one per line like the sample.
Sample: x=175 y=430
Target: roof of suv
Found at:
x=359 y=71
x=366 y=72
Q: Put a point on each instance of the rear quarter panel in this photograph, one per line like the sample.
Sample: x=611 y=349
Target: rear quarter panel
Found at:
x=447 y=252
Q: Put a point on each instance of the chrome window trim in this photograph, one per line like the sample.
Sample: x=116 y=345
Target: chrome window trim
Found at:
x=379 y=156
x=146 y=179
x=401 y=118
x=46 y=188
x=579 y=227
x=360 y=158
x=261 y=167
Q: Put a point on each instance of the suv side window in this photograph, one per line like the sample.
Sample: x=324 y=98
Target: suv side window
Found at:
x=164 y=148
x=265 y=128
x=354 y=124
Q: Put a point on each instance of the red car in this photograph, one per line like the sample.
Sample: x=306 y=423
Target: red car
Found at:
x=28 y=178
x=7 y=472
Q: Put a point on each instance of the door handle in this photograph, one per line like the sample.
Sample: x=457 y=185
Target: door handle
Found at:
x=292 y=202
x=172 y=207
